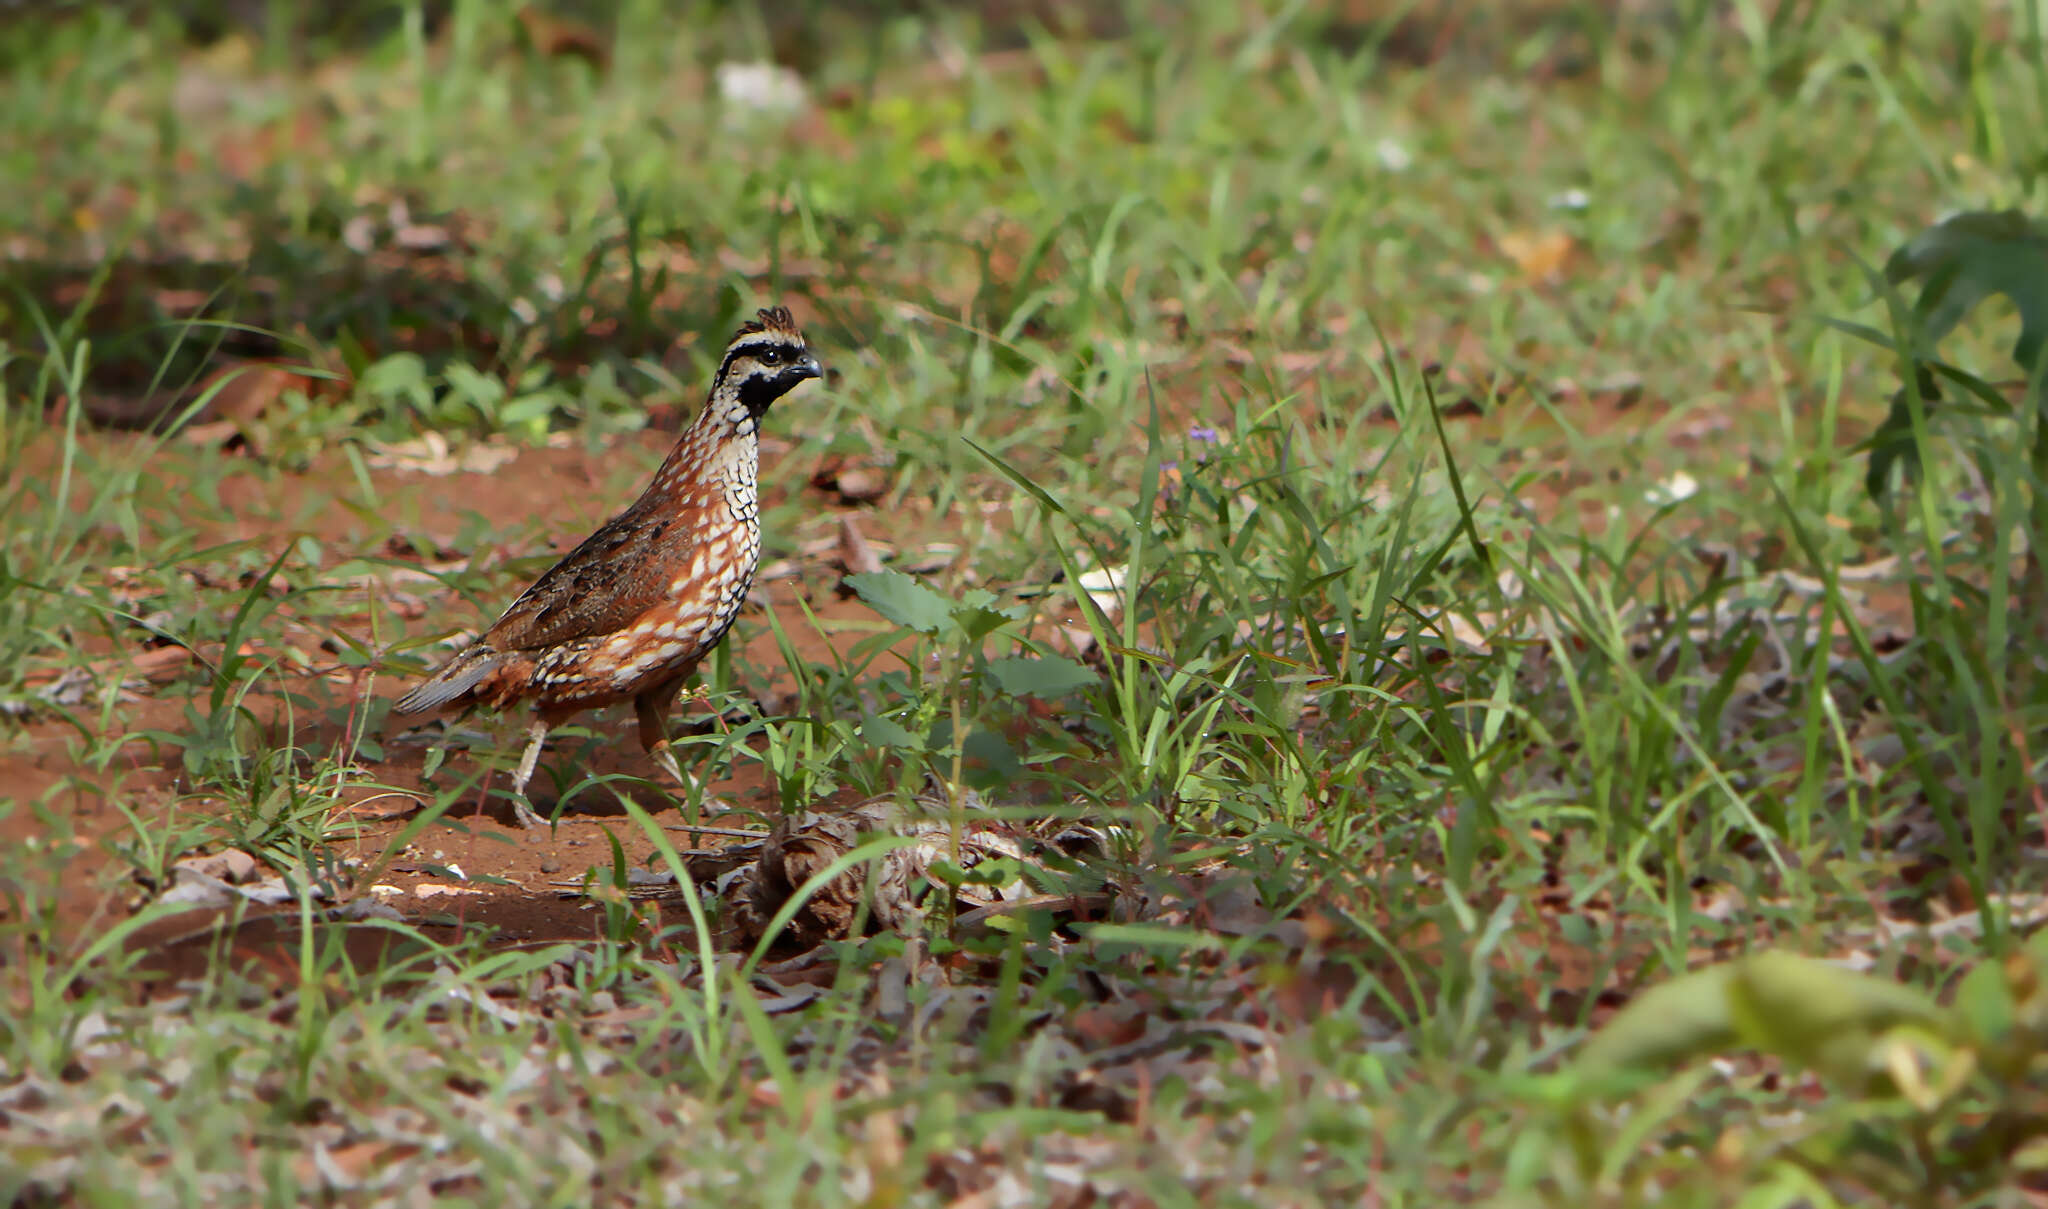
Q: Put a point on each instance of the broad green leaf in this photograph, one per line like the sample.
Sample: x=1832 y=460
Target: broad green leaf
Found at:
x=1811 y=1012
x=977 y=614
x=1665 y=1026
x=903 y=600
x=480 y=390
x=1822 y=1015
x=1892 y=443
x=1968 y=257
x=526 y=409
x=1959 y=261
x=1797 y=997
x=402 y=377
x=887 y=732
x=999 y=765
x=1984 y=1003
x=976 y=622
x=1050 y=676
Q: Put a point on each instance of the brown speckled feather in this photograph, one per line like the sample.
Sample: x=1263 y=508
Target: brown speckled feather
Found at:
x=614 y=576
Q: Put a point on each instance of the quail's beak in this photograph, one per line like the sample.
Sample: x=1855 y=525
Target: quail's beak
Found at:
x=806 y=367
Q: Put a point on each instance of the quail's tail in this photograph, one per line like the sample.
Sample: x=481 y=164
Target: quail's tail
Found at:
x=463 y=673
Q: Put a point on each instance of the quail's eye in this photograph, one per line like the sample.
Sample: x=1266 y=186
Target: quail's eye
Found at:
x=771 y=356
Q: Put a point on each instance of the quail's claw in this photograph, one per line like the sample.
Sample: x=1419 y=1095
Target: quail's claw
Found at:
x=666 y=760
x=687 y=783
x=525 y=815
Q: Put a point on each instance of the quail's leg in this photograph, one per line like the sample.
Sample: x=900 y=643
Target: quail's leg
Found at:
x=523 y=812
x=652 y=708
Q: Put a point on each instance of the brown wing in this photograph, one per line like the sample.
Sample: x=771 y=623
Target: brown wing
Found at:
x=618 y=573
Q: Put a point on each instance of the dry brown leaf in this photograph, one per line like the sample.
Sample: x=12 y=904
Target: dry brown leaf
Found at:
x=853 y=480
x=862 y=484
x=241 y=392
x=382 y=808
x=1540 y=255
x=856 y=556
x=431 y=454
x=161 y=665
x=247 y=390
x=214 y=433
x=1107 y=1024
x=72 y=686
x=232 y=865
x=359 y=1159
x=557 y=37
x=438 y=890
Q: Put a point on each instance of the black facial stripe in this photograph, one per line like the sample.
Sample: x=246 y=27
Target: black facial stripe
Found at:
x=754 y=348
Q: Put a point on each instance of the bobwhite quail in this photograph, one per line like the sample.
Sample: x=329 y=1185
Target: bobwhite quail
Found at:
x=630 y=612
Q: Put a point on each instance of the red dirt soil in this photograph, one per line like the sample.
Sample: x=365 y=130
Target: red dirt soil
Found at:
x=517 y=883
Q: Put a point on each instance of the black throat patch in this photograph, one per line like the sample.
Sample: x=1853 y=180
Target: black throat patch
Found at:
x=760 y=390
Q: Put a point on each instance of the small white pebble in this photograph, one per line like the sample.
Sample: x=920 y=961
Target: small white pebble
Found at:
x=1680 y=486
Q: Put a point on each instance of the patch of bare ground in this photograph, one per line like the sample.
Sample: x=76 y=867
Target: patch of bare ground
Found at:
x=515 y=883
